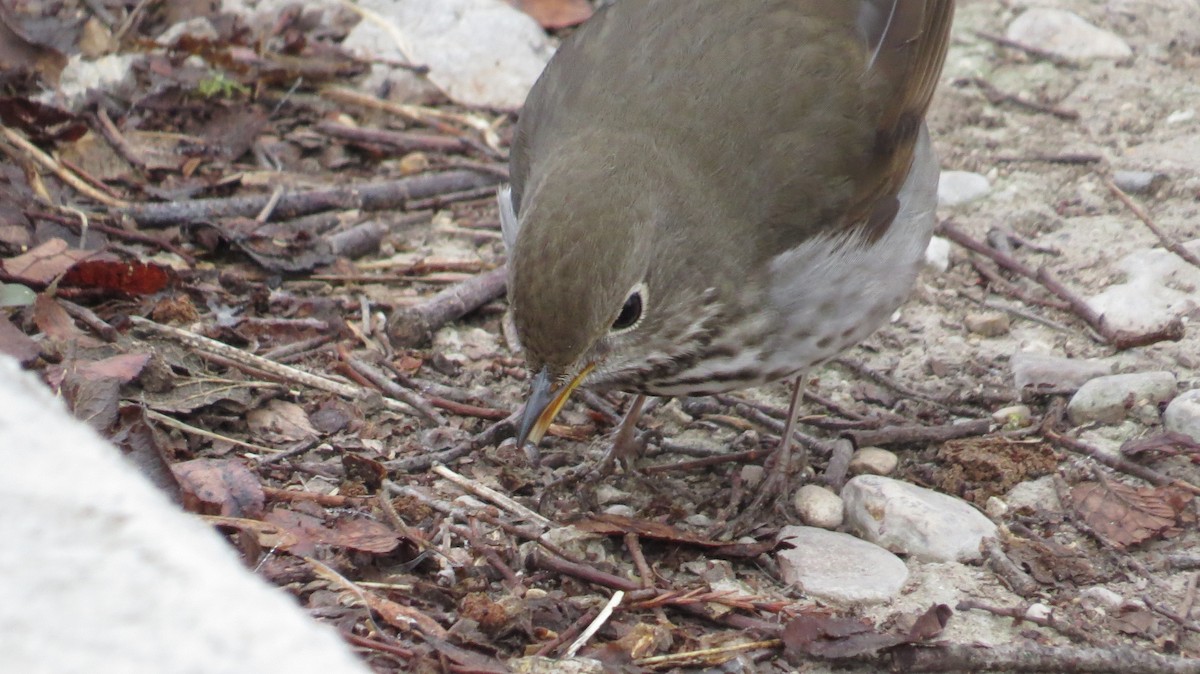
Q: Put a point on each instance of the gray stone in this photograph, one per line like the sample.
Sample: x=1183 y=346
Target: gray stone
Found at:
x=1035 y=495
x=819 y=507
x=1043 y=374
x=1183 y=414
x=1067 y=35
x=1109 y=399
x=838 y=567
x=956 y=188
x=912 y=520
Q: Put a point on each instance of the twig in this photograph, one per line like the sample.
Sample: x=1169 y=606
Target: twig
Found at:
x=1021 y=613
x=386 y=195
x=596 y=624
x=706 y=656
x=378 y=378
x=900 y=435
x=107 y=332
x=569 y=633
x=492 y=435
x=116 y=139
x=634 y=545
x=400 y=142
x=1166 y=241
x=732 y=457
x=48 y=162
x=1117 y=462
x=1076 y=159
x=483 y=491
x=375 y=645
x=1010 y=574
x=997 y=97
x=326 y=500
x=1032 y=51
x=1119 y=339
x=416 y=325
x=286 y=372
x=187 y=428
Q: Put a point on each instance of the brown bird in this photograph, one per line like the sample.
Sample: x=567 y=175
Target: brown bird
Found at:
x=709 y=195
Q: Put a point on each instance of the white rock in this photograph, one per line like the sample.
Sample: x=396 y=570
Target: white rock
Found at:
x=1067 y=35
x=838 y=567
x=995 y=507
x=1183 y=414
x=482 y=53
x=1044 y=374
x=1098 y=595
x=873 y=461
x=1038 y=611
x=819 y=507
x=956 y=188
x=1139 y=182
x=1108 y=399
x=937 y=254
x=1155 y=292
x=988 y=323
x=111 y=74
x=142 y=587
x=912 y=520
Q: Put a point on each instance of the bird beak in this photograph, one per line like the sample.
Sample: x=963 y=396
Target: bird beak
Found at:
x=546 y=398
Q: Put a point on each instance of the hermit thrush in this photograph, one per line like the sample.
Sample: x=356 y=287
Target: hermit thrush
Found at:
x=714 y=194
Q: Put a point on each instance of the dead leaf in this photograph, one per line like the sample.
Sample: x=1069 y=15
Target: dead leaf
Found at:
x=41 y=265
x=555 y=14
x=825 y=636
x=124 y=368
x=16 y=343
x=619 y=525
x=281 y=421
x=269 y=536
x=1161 y=445
x=357 y=534
x=56 y=323
x=19 y=52
x=1124 y=516
x=94 y=401
x=220 y=486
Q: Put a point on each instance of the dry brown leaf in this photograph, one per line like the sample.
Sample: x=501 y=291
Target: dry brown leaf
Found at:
x=555 y=14
x=16 y=343
x=357 y=534
x=57 y=324
x=41 y=265
x=1124 y=516
x=281 y=421
x=220 y=487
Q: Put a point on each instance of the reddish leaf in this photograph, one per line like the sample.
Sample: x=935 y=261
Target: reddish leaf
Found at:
x=220 y=487
x=357 y=534
x=130 y=278
x=124 y=368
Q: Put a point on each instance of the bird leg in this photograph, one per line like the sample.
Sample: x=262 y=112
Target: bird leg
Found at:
x=778 y=466
x=626 y=446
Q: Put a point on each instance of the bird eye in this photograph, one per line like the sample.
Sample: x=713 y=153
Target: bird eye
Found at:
x=631 y=311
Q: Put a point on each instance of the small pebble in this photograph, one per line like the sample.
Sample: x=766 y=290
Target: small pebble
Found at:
x=988 y=323
x=1139 y=182
x=819 y=507
x=698 y=520
x=1013 y=416
x=606 y=494
x=1038 y=611
x=961 y=187
x=752 y=475
x=937 y=254
x=837 y=567
x=873 y=461
x=618 y=509
x=1183 y=414
x=995 y=507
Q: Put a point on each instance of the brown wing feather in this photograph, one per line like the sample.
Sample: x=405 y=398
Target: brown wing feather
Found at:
x=907 y=63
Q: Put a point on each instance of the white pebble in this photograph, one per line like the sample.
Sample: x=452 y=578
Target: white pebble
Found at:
x=819 y=507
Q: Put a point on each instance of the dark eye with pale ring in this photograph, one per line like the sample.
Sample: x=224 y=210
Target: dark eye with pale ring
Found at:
x=630 y=314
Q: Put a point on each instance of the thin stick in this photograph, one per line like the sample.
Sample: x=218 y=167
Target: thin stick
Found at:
x=504 y=502
x=1166 y=241
x=77 y=183
x=591 y=630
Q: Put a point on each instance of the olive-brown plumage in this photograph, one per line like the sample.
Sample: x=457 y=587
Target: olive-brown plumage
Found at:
x=713 y=194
